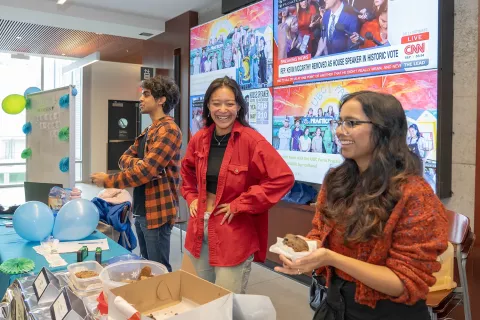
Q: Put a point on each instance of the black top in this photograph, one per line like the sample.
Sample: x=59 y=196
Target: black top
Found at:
x=215 y=158
x=139 y=192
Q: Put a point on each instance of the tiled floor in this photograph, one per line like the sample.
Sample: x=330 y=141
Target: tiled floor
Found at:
x=289 y=297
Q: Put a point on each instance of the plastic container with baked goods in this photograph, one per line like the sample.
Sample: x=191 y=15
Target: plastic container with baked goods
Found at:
x=125 y=272
x=85 y=283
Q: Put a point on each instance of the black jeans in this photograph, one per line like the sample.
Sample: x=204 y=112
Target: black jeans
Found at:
x=154 y=243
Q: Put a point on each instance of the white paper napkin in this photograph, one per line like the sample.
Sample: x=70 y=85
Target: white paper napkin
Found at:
x=54 y=260
x=288 y=252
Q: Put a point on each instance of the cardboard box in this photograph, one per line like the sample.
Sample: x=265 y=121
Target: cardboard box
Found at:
x=183 y=296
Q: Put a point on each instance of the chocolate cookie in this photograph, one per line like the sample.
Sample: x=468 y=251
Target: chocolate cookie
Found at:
x=295 y=242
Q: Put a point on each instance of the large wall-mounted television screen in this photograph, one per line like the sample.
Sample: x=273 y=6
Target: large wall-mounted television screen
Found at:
x=296 y=59
x=318 y=40
x=304 y=133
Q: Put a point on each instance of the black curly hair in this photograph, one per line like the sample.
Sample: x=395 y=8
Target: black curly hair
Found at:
x=162 y=86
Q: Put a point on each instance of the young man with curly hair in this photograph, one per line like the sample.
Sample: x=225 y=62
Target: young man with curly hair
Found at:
x=151 y=166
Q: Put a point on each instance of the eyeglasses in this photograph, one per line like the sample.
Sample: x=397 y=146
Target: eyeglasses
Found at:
x=348 y=125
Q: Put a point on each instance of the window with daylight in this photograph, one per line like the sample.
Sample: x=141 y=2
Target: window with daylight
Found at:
x=17 y=73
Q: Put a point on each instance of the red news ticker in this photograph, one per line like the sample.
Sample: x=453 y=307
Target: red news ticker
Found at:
x=296 y=59
x=341 y=73
x=416 y=37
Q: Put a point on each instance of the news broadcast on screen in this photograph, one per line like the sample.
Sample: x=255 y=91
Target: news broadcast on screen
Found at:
x=318 y=40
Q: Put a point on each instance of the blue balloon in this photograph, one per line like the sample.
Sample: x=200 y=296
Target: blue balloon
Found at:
x=74 y=92
x=27 y=128
x=64 y=101
x=33 y=221
x=64 y=164
x=31 y=90
x=76 y=220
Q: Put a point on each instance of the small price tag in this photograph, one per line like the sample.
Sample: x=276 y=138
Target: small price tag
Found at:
x=61 y=306
x=41 y=283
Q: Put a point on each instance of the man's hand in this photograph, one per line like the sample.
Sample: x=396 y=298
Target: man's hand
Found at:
x=355 y=37
x=99 y=178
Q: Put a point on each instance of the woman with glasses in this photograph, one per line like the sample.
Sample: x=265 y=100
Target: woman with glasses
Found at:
x=378 y=224
x=231 y=177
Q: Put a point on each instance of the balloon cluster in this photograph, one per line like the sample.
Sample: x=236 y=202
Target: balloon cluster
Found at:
x=76 y=220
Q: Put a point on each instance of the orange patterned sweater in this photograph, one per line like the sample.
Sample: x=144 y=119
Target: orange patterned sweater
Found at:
x=413 y=237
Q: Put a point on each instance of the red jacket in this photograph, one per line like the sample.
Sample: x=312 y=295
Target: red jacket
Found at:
x=253 y=177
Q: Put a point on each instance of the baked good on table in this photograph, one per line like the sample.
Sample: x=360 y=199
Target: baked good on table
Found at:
x=86 y=274
x=295 y=242
x=145 y=273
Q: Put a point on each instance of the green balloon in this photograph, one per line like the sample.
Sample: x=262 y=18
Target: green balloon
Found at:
x=28 y=104
x=26 y=154
x=14 y=104
x=64 y=134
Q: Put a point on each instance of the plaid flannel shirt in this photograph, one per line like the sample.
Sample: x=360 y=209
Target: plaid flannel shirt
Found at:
x=159 y=170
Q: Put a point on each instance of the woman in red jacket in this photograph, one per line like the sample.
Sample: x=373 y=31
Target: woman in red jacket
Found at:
x=379 y=225
x=231 y=177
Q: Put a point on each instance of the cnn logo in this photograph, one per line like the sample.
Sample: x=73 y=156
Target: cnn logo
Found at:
x=415 y=48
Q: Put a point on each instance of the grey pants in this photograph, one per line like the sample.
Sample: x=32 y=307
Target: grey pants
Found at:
x=234 y=278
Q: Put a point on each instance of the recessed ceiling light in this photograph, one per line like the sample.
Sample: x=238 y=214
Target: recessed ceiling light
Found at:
x=19 y=38
x=61 y=1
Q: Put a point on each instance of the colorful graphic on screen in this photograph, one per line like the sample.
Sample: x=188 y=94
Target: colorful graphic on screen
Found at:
x=318 y=40
x=238 y=45
x=196 y=112
x=304 y=134
x=259 y=115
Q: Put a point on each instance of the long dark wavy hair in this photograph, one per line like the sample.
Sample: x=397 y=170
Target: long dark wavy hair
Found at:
x=233 y=85
x=363 y=202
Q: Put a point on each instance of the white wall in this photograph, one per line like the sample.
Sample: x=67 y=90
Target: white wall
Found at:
x=103 y=81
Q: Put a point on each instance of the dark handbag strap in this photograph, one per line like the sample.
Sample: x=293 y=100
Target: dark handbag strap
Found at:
x=318 y=290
